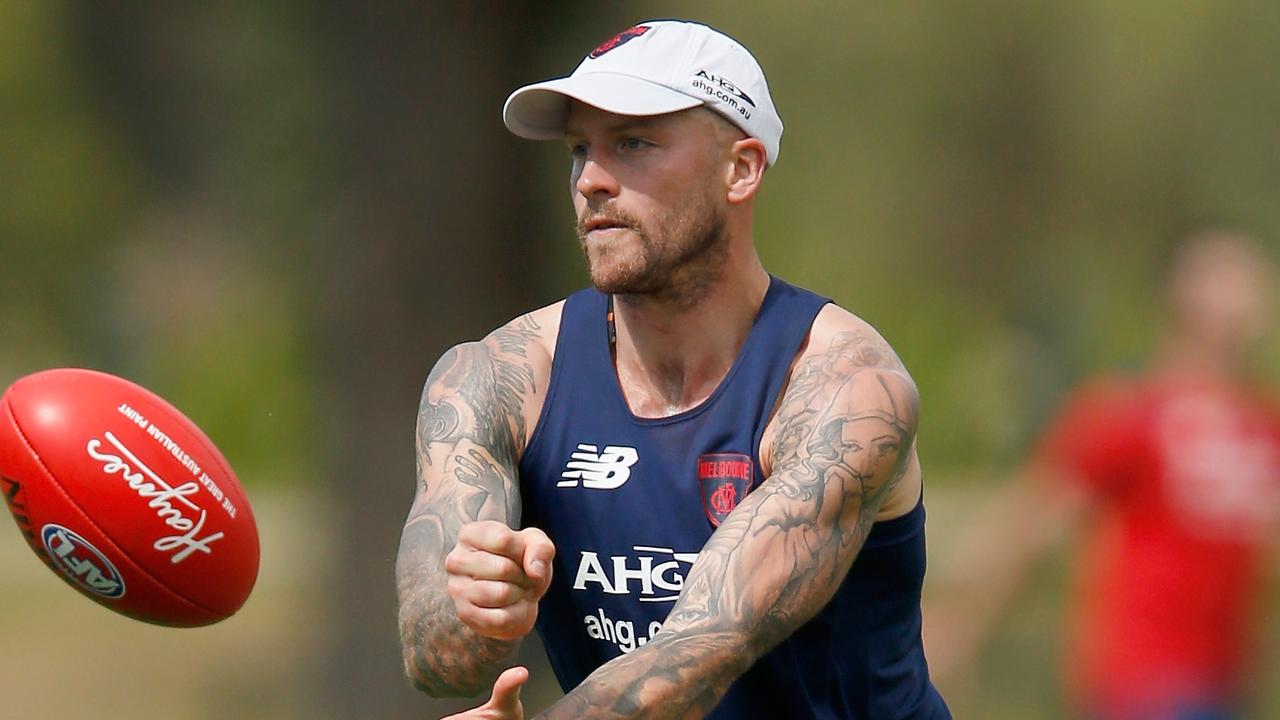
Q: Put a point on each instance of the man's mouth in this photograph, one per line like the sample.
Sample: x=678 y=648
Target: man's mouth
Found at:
x=604 y=224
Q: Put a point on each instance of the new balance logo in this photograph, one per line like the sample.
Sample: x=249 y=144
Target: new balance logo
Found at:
x=598 y=470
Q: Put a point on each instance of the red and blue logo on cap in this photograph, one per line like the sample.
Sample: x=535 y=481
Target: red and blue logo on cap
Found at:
x=620 y=39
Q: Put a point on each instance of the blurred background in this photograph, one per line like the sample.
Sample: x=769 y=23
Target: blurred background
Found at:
x=278 y=215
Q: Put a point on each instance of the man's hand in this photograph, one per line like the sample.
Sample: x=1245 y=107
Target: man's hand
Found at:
x=504 y=704
x=497 y=576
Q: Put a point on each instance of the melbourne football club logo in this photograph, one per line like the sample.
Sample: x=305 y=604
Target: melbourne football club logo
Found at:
x=723 y=480
x=621 y=38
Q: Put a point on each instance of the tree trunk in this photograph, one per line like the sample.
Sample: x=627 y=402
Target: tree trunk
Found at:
x=428 y=251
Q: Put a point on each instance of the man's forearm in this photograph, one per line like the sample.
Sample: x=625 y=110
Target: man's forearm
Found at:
x=674 y=675
x=442 y=656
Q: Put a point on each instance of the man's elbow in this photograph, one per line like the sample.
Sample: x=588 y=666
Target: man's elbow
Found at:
x=431 y=679
x=437 y=688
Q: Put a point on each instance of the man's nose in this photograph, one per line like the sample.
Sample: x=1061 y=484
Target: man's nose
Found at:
x=594 y=179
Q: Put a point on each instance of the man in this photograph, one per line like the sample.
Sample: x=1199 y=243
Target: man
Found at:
x=715 y=471
x=1178 y=475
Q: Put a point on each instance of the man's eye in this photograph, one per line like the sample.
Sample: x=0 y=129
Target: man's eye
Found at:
x=632 y=143
x=578 y=150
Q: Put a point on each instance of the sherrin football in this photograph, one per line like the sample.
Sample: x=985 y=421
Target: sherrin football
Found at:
x=125 y=498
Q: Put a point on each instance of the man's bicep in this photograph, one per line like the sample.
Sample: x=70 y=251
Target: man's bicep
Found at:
x=466 y=485
x=467 y=442
x=849 y=414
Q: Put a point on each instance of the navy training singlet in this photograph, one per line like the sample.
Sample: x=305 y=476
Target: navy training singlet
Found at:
x=630 y=501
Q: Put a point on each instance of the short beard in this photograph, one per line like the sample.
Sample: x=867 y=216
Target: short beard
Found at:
x=680 y=266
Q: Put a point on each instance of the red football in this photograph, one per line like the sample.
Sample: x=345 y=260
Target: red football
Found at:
x=125 y=498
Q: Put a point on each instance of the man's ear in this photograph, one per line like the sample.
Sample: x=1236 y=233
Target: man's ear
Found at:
x=747 y=164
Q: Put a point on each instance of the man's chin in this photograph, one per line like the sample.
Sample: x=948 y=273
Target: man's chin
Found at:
x=620 y=283
x=616 y=287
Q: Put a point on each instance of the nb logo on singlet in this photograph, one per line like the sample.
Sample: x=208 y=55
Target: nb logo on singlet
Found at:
x=599 y=470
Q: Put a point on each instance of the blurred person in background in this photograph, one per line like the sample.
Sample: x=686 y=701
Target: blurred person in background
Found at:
x=715 y=471
x=1170 y=483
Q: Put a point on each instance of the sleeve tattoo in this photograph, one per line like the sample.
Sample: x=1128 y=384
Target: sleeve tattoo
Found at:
x=844 y=431
x=470 y=433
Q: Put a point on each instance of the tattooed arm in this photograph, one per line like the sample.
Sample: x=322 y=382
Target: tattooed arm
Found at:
x=472 y=427
x=843 y=438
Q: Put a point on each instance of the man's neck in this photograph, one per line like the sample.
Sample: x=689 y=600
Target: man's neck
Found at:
x=670 y=356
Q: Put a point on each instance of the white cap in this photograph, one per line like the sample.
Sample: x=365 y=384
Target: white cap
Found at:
x=654 y=68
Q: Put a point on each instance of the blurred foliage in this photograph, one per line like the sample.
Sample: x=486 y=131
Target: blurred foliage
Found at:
x=993 y=184
x=156 y=190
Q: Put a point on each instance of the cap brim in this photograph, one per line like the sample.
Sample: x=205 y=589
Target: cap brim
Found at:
x=539 y=111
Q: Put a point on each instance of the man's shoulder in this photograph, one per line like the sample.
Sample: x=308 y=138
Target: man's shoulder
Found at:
x=833 y=318
x=533 y=332
x=846 y=370
x=500 y=379
x=840 y=333
x=843 y=356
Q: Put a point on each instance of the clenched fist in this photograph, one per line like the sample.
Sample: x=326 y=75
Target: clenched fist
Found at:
x=497 y=576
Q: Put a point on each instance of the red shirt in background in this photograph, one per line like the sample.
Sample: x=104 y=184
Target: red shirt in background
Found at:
x=1186 y=481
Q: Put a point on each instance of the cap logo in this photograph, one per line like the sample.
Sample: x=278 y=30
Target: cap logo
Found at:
x=621 y=38
x=726 y=85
